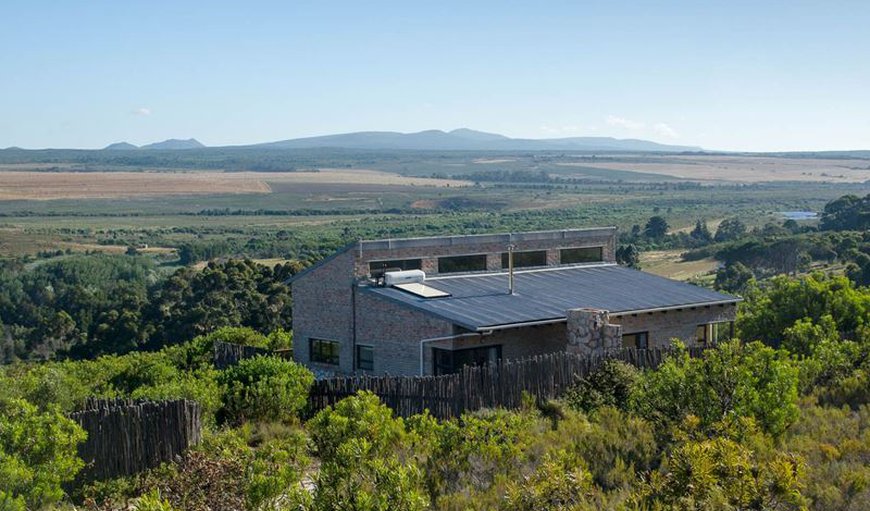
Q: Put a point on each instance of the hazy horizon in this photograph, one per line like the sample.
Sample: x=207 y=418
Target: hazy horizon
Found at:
x=782 y=76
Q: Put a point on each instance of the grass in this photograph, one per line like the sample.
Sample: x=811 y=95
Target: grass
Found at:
x=668 y=263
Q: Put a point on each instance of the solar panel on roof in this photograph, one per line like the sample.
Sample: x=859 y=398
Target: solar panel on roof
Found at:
x=421 y=290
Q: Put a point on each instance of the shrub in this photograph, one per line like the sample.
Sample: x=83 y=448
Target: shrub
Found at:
x=152 y=502
x=558 y=484
x=617 y=447
x=199 y=351
x=722 y=474
x=734 y=380
x=360 y=442
x=37 y=455
x=265 y=389
x=610 y=384
x=359 y=416
x=768 y=312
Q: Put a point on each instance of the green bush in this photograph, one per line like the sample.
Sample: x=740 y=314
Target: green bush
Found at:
x=265 y=388
x=731 y=381
x=37 y=455
x=771 y=310
x=617 y=447
x=610 y=384
x=558 y=484
x=360 y=444
x=722 y=474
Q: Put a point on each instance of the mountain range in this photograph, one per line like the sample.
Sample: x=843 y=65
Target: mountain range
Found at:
x=462 y=139
x=172 y=143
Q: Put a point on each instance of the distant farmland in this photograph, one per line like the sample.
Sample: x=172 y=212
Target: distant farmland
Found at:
x=736 y=168
x=24 y=185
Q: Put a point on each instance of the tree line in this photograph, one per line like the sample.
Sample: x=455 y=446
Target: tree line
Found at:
x=85 y=306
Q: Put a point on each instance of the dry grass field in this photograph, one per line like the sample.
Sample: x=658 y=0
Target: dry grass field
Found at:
x=740 y=169
x=25 y=185
x=667 y=263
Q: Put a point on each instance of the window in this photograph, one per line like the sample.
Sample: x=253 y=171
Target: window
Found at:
x=582 y=255
x=722 y=331
x=323 y=351
x=365 y=358
x=456 y=264
x=379 y=267
x=718 y=332
x=451 y=361
x=524 y=259
x=638 y=340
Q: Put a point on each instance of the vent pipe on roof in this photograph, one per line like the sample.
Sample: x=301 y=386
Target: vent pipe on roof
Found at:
x=511 y=248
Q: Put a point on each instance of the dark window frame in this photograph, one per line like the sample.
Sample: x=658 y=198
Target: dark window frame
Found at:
x=637 y=339
x=370 y=365
x=702 y=339
x=521 y=262
x=318 y=355
x=379 y=267
x=565 y=258
x=480 y=258
x=444 y=361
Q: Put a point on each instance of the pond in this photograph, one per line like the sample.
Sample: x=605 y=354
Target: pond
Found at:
x=799 y=215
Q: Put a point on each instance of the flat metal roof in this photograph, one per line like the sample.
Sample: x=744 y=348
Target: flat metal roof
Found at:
x=481 y=301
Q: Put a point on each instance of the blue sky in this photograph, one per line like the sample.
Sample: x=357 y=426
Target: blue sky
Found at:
x=736 y=75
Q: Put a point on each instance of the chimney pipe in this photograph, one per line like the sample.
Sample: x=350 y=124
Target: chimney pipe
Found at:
x=511 y=248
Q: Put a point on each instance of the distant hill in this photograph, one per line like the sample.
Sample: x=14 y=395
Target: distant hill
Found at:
x=174 y=143
x=120 y=146
x=470 y=140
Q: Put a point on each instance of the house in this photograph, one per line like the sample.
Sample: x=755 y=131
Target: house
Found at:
x=430 y=305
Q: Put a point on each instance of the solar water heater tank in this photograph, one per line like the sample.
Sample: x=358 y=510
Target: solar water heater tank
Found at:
x=391 y=278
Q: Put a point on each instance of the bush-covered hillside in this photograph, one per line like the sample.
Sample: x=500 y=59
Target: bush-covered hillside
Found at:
x=748 y=426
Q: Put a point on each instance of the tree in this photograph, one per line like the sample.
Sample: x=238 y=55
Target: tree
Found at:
x=848 y=212
x=701 y=233
x=628 y=255
x=656 y=227
x=734 y=278
x=770 y=310
x=231 y=293
x=729 y=230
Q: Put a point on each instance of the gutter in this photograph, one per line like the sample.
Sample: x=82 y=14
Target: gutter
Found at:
x=674 y=307
x=507 y=326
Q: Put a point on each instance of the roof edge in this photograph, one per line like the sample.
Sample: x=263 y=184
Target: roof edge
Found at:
x=320 y=263
x=506 y=326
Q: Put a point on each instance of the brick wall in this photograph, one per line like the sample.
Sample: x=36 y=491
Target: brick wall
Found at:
x=395 y=332
x=680 y=324
x=322 y=308
x=491 y=245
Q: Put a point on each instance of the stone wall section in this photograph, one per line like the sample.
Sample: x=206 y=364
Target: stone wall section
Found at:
x=591 y=333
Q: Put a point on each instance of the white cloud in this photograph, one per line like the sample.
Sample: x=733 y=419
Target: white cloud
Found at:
x=665 y=130
x=142 y=112
x=622 y=122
